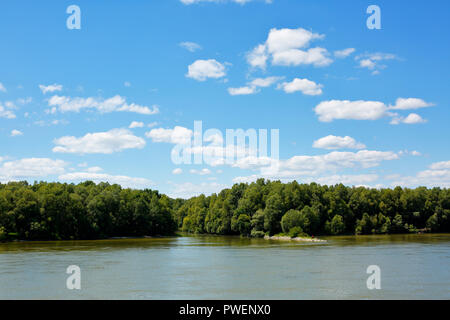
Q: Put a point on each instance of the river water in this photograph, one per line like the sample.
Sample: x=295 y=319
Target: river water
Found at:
x=216 y=267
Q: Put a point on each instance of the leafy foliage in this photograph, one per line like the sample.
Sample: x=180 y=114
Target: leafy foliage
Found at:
x=270 y=207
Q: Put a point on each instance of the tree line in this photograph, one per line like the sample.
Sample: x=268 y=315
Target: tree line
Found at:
x=271 y=207
x=57 y=211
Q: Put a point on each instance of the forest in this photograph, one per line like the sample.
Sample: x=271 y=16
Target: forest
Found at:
x=57 y=211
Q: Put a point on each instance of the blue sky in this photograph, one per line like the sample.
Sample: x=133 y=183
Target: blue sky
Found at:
x=352 y=105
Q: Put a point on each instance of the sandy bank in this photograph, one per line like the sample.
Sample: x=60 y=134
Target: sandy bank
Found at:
x=285 y=238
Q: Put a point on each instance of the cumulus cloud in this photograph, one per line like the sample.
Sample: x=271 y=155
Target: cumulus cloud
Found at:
x=115 y=140
x=50 y=88
x=318 y=168
x=15 y=133
x=6 y=113
x=201 y=70
x=202 y=172
x=177 y=135
x=410 y=103
x=124 y=181
x=190 y=46
x=412 y=118
x=305 y=86
x=372 y=61
x=188 y=189
x=177 y=171
x=351 y=110
x=30 y=168
x=334 y=142
x=288 y=47
x=242 y=91
x=113 y=104
x=2 y=87
x=437 y=175
x=340 y=54
x=136 y=124
x=370 y=110
x=252 y=86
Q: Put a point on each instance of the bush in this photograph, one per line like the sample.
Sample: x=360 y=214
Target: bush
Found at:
x=257 y=234
x=297 y=232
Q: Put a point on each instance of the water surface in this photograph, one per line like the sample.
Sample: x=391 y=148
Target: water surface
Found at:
x=215 y=267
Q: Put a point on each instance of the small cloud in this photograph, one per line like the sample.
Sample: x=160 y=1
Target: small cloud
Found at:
x=201 y=70
x=127 y=84
x=50 y=88
x=190 y=46
x=202 y=172
x=306 y=86
x=136 y=124
x=177 y=171
x=412 y=118
x=15 y=133
x=2 y=87
x=340 y=54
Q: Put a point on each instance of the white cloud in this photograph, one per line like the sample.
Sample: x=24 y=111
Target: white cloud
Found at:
x=177 y=135
x=352 y=110
x=124 y=181
x=108 y=142
x=252 y=86
x=188 y=189
x=372 y=61
x=438 y=175
x=265 y=82
x=177 y=171
x=15 y=133
x=334 y=142
x=412 y=118
x=344 y=53
x=201 y=70
x=190 y=46
x=136 y=124
x=294 y=57
x=443 y=165
x=5 y=113
x=369 y=110
x=242 y=91
x=201 y=172
x=113 y=104
x=2 y=87
x=127 y=84
x=306 y=86
x=50 y=88
x=301 y=166
x=410 y=103
x=286 y=47
x=30 y=168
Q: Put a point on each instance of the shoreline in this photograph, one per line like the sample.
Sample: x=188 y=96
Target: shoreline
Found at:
x=298 y=239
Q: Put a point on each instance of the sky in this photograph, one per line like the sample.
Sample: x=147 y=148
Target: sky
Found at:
x=110 y=98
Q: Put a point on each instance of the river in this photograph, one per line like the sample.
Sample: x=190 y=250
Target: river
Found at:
x=221 y=267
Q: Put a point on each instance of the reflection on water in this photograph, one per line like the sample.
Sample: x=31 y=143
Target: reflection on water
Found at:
x=216 y=267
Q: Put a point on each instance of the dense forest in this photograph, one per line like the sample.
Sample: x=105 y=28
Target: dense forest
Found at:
x=265 y=207
x=54 y=211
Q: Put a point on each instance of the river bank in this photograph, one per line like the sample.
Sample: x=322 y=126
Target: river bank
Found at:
x=287 y=238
